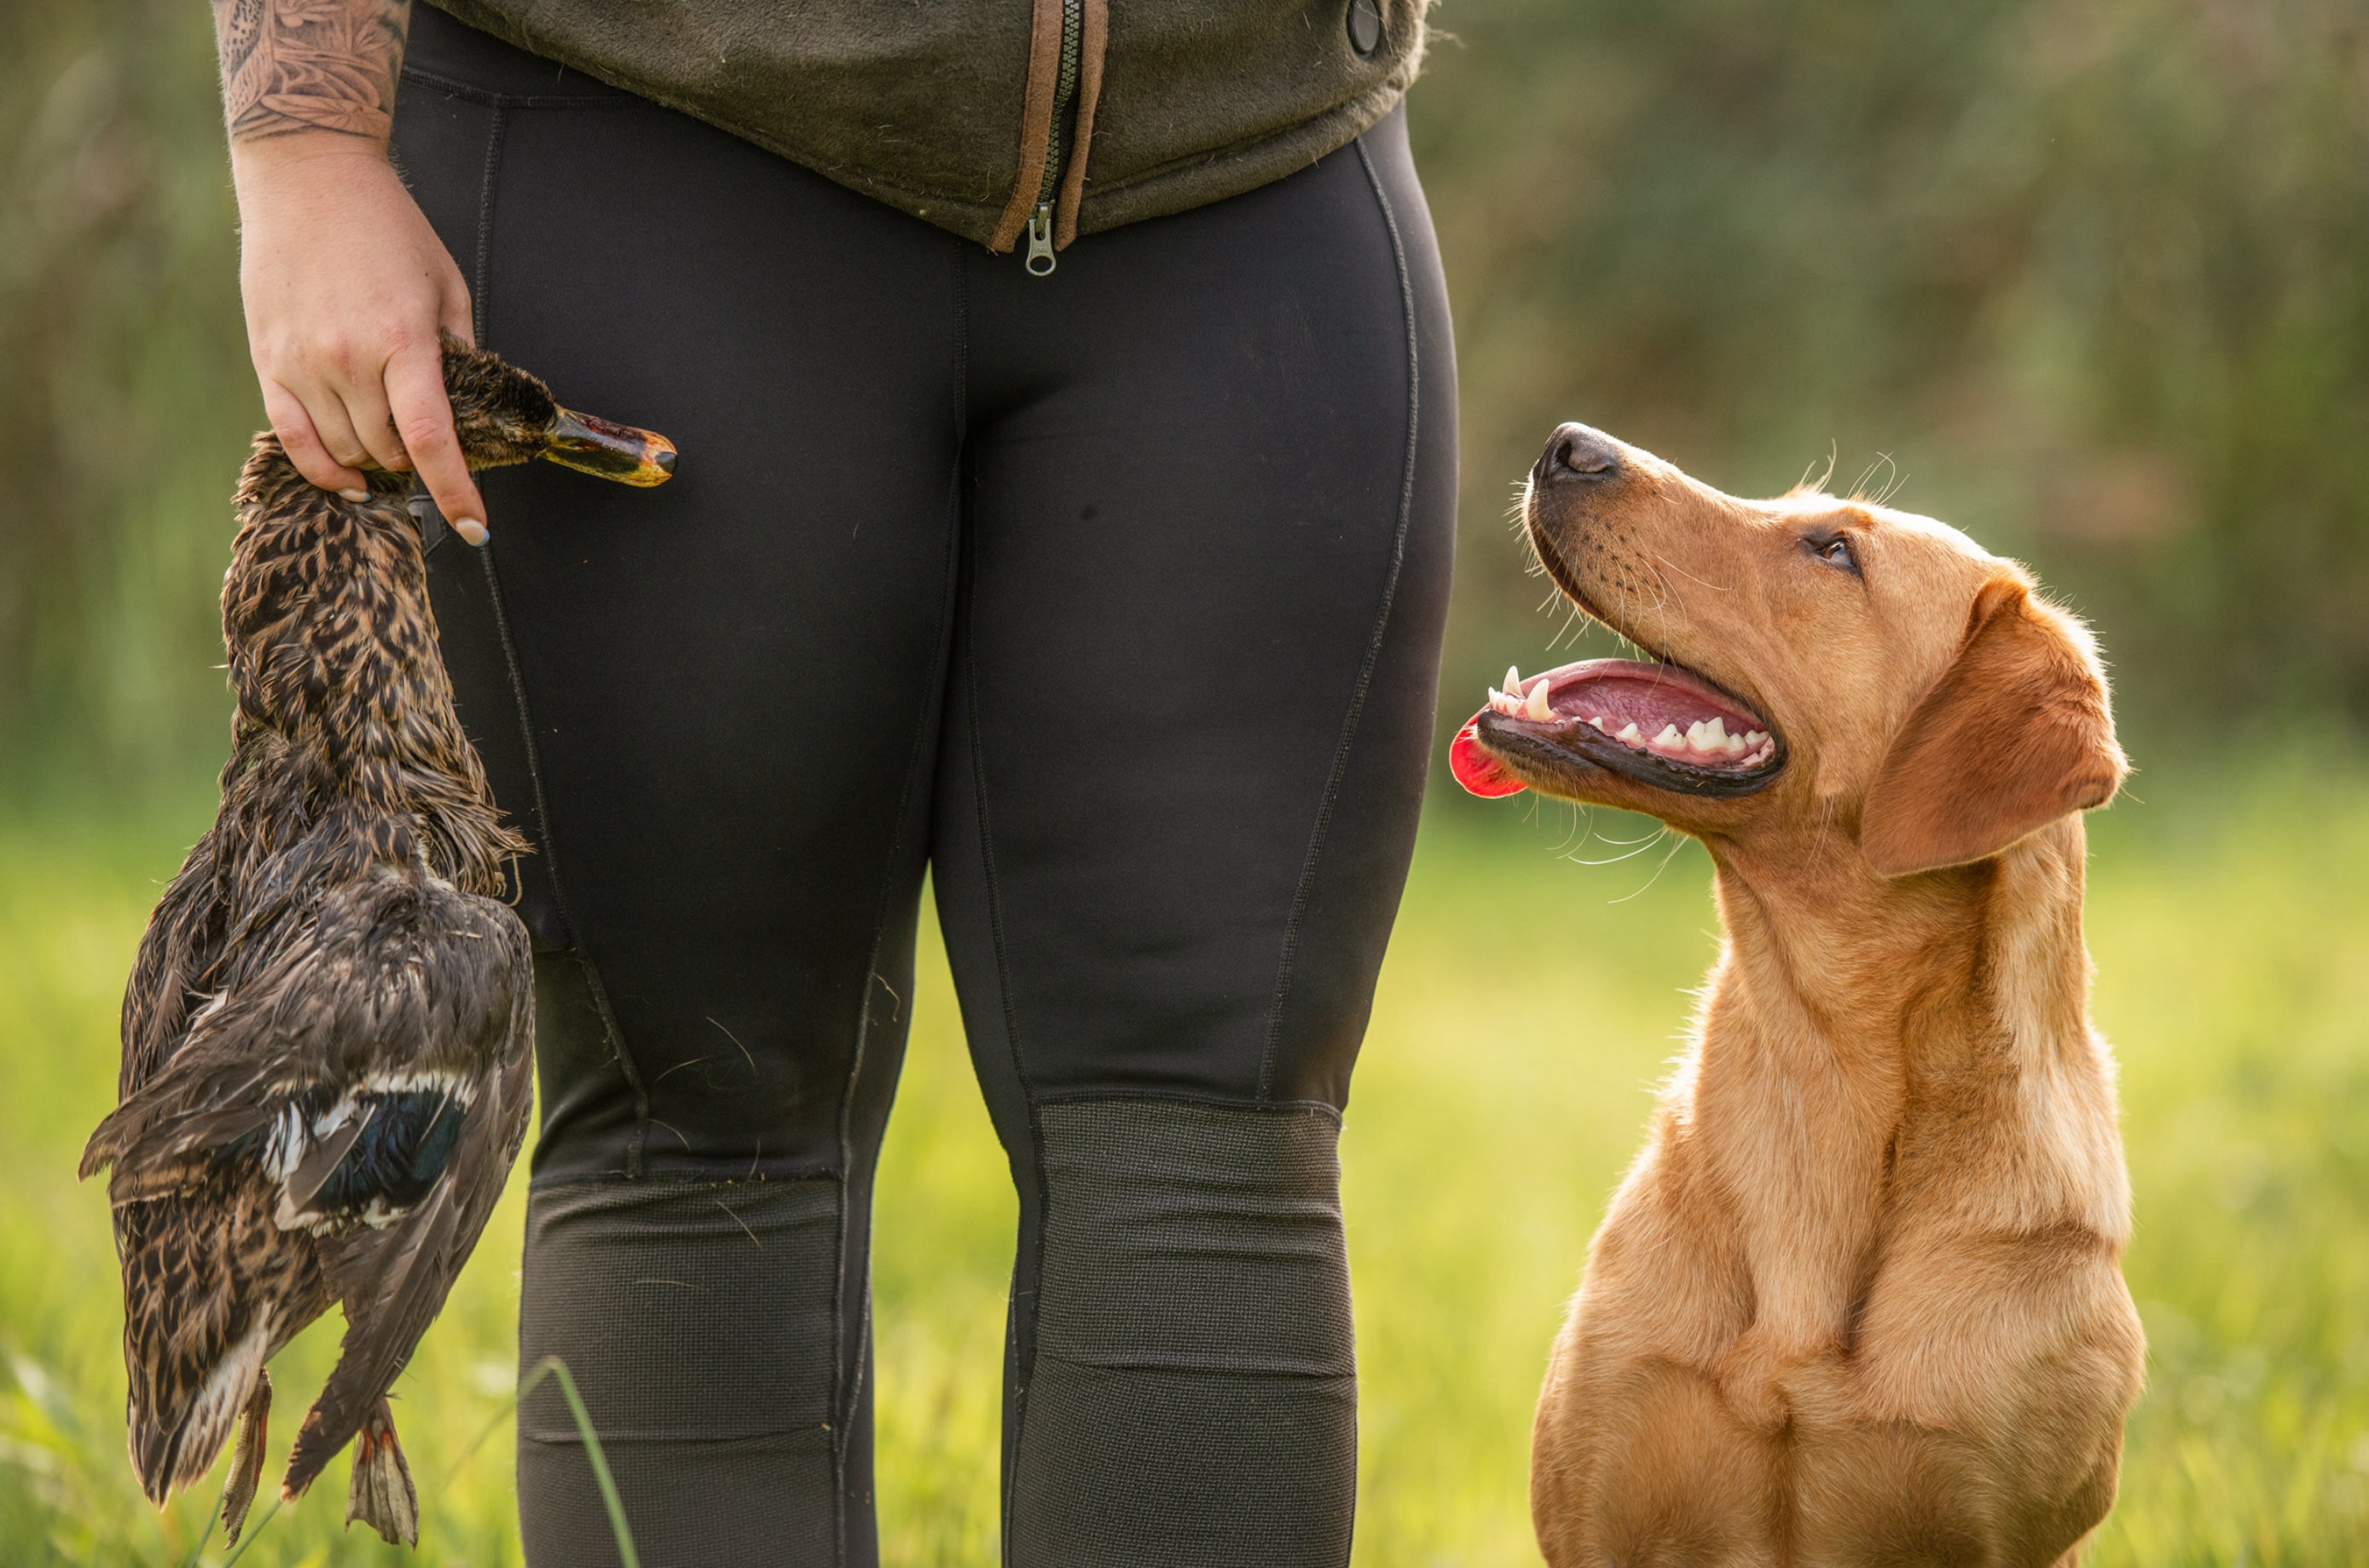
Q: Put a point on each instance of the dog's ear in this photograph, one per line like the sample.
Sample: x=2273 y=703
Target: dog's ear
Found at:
x=2016 y=734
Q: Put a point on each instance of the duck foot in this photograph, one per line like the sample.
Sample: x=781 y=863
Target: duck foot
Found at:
x=246 y=1458
x=382 y=1495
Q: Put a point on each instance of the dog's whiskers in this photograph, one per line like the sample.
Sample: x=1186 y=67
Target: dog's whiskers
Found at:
x=1661 y=560
x=1645 y=846
x=1805 y=486
x=1893 y=480
x=1675 y=848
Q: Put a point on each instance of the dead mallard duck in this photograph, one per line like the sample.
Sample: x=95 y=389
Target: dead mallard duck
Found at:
x=327 y=1035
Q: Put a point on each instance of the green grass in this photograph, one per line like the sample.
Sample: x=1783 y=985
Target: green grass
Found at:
x=1528 y=1007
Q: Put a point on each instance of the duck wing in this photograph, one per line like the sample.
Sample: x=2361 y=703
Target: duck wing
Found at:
x=397 y=985
x=392 y=1280
x=176 y=953
x=376 y=1074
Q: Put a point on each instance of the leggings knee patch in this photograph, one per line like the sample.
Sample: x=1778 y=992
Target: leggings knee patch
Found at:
x=699 y=1319
x=1192 y=1396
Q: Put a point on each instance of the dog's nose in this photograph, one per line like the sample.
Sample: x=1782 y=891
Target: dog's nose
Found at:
x=1576 y=453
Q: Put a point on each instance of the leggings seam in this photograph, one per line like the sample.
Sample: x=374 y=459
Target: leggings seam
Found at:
x=1305 y=891
x=847 y=1399
x=1002 y=966
x=480 y=286
x=1173 y=1364
x=1323 y=1108
x=772 y=1176
x=612 y=1438
x=1020 y=1072
x=481 y=270
x=848 y=1388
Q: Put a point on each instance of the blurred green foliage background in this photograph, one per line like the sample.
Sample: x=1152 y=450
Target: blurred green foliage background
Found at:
x=2082 y=276
x=2087 y=278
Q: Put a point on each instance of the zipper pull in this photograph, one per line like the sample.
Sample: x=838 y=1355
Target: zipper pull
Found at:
x=1040 y=262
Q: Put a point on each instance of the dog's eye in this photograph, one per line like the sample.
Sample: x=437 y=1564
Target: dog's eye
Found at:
x=1836 y=550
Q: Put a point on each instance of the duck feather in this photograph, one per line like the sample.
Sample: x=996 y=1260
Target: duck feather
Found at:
x=327 y=1031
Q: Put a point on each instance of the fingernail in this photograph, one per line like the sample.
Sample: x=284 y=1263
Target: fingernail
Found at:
x=470 y=530
x=355 y=494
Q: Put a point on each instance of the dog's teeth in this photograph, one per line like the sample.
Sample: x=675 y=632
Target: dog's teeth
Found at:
x=1628 y=732
x=1513 y=679
x=1536 y=707
x=1717 y=730
x=1598 y=722
x=1699 y=737
x=1754 y=736
x=1669 y=737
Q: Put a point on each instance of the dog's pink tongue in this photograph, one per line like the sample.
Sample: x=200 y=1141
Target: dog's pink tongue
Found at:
x=1478 y=772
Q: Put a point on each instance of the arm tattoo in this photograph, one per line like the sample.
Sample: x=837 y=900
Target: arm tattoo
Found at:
x=291 y=65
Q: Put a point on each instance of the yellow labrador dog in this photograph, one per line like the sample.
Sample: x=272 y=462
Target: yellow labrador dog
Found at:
x=1860 y=1300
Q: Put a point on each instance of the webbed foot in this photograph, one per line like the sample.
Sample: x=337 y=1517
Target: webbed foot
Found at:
x=382 y=1495
x=246 y=1458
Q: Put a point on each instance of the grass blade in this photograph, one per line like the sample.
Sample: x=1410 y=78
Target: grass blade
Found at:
x=552 y=1367
x=256 y=1529
x=199 y=1550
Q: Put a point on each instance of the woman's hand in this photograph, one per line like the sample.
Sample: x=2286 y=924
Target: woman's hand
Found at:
x=348 y=290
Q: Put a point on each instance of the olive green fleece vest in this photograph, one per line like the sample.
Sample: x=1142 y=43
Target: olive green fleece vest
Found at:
x=1003 y=119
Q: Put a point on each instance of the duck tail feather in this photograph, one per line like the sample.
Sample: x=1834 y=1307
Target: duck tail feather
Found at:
x=174 y=1442
x=155 y=1452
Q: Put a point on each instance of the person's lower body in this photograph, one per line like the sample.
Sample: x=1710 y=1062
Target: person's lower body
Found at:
x=1113 y=598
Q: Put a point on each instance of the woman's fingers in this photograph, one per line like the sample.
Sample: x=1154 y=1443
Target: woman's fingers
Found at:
x=293 y=423
x=423 y=420
x=367 y=411
x=335 y=426
x=457 y=316
x=345 y=336
x=394 y=416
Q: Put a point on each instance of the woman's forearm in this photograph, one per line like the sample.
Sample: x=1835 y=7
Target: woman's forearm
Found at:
x=348 y=291
x=290 y=67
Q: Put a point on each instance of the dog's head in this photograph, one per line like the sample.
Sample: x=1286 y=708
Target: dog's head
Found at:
x=1828 y=670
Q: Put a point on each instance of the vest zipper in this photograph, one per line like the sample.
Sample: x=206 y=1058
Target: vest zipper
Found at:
x=1040 y=261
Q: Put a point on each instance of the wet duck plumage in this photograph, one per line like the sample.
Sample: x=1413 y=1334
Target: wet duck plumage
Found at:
x=327 y=1032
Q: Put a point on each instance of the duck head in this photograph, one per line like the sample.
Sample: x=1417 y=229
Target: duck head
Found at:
x=502 y=416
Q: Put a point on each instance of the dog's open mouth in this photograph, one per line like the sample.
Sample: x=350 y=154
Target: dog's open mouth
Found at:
x=1658 y=724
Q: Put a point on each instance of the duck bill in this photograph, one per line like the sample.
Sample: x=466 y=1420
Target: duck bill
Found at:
x=612 y=450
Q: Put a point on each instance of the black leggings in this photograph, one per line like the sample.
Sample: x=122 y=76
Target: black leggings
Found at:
x=1114 y=599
